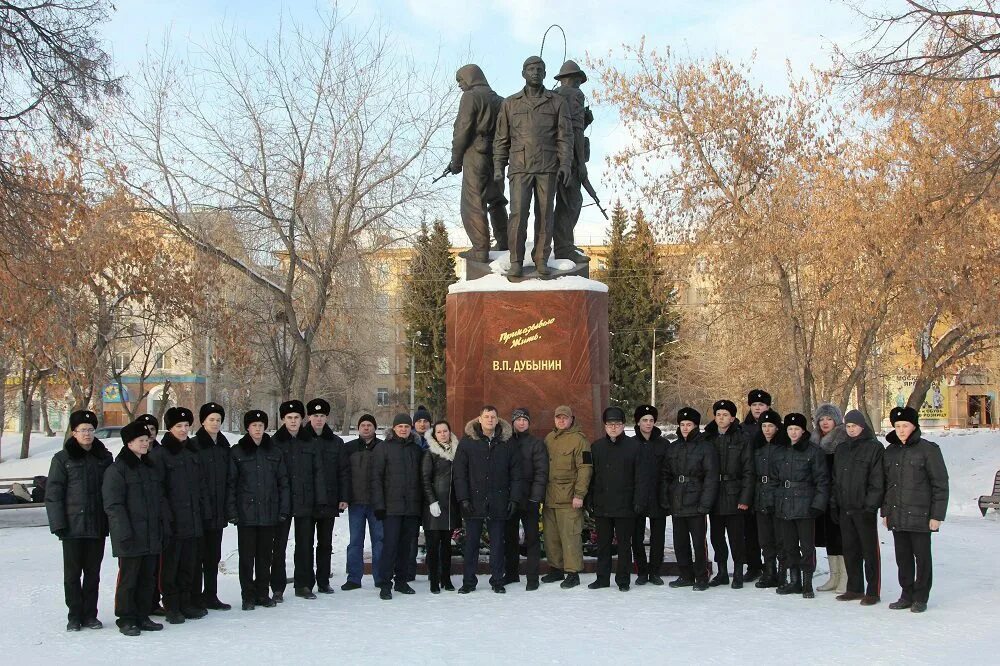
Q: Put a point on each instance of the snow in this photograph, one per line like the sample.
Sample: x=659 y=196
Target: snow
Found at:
x=495 y=282
x=652 y=624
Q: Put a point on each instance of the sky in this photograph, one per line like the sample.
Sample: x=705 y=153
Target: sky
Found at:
x=499 y=34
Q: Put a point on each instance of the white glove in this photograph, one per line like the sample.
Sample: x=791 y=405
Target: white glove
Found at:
x=435 y=510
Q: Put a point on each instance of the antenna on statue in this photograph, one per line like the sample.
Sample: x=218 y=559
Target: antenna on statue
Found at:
x=546 y=33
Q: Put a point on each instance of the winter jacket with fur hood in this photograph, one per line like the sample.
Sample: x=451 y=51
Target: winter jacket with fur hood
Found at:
x=187 y=494
x=690 y=476
x=803 y=482
x=437 y=475
x=916 y=483
x=488 y=471
x=858 y=477
x=306 y=475
x=652 y=454
x=73 y=491
x=396 y=484
x=214 y=456
x=133 y=500
x=258 y=494
x=736 y=478
x=765 y=454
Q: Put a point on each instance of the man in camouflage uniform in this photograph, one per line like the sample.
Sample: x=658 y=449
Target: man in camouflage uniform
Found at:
x=534 y=134
x=472 y=156
x=569 y=196
x=570 y=470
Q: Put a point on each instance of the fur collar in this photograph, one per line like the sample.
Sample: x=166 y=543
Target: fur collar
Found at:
x=247 y=444
x=204 y=440
x=780 y=439
x=475 y=431
x=712 y=429
x=693 y=437
x=76 y=452
x=653 y=436
x=327 y=433
x=440 y=451
x=893 y=438
x=283 y=435
x=132 y=460
x=172 y=444
x=802 y=444
x=831 y=440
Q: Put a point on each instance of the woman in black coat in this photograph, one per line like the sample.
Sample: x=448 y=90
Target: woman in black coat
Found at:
x=916 y=500
x=441 y=513
x=802 y=496
x=133 y=500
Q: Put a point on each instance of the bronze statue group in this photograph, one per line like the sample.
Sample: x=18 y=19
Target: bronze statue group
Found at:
x=760 y=490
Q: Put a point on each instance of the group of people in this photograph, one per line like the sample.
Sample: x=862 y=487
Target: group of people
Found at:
x=760 y=490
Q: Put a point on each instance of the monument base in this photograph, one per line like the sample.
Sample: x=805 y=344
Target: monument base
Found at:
x=536 y=344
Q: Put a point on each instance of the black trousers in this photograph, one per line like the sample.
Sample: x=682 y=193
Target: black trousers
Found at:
x=82 y=576
x=657 y=539
x=733 y=525
x=859 y=532
x=689 y=533
x=438 y=554
x=771 y=538
x=305 y=529
x=609 y=529
x=256 y=550
x=324 y=549
x=134 y=589
x=397 y=533
x=411 y=556
x=210 y=554
x=528 y=518
x=799 y=537
x=913 y=558
x=178 y=572
x=279 y=572
x=470 y=552
x=751 y=540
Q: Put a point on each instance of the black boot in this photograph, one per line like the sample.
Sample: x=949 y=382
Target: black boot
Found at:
x=532 y=584
x=737 y=581
x=681 y=582
x=572 y=580
x=641 y=579
x=769 y=577
x=553 y=576
x=807 y=585
x=600 y=583
x=448 y=585
x=721 y=578
x=700 y=584
x=435 y=585
x=794 y=584
x=655 y=580
x=753 y=573
x=782 y=578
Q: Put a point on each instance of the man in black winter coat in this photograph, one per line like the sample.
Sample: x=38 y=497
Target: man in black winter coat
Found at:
x=133 y=500
x=488 y=486
x=307 y=485
x=187 y=507
x=652 y=452
x=858 y=489
x=690 y=482
x=758 y=401
x=337 y=477
x=915 y=503
x=257 y=502
x=397 y=498
x=736 y=486
x=617 y=490
x=212 y=449
x=535 y=476
x=361 y=513
x=76 y=515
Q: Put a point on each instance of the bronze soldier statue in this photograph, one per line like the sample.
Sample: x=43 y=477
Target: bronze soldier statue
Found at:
x=472 y=156
x=534 y=134
x=569 y=198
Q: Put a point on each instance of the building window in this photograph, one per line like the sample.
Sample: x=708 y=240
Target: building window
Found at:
x=382 y=364
x=382 y=397
x=121 y=362
x=159 y=361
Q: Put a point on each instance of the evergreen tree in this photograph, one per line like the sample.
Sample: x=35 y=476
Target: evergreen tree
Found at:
x=638 y=304
x=432 y=270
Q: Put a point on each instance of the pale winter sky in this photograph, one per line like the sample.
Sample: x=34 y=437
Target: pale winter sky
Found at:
x=499 y=34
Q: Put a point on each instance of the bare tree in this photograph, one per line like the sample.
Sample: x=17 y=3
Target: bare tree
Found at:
x=316 y=144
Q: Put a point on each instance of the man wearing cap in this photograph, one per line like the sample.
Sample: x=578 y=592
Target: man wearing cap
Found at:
x=420 y=433
x=337 y=478
x=569 y=198
x=360 y=512
x=258 y=500
x=858 y=489
x=472 y=156
x=914 y=506
x=76 y=515
x=133 y=499
x=652 y=450
x=758 y=401
x=769 y=444
x=735 y=491
x=187 y=507
x=487 y=473
x=690 y=482
x=534 y=476
x=571 y=466
x=212 y=449
x=396 y=497
x=307 y=485
x=617 y=490
x=152 y=424
x=534 y=134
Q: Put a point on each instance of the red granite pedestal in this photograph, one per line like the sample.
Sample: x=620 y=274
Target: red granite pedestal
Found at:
x=539 y=346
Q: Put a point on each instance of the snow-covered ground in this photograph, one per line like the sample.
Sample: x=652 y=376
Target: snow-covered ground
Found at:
x=549 y=626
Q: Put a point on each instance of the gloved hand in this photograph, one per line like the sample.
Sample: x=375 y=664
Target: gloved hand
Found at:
x=511 y=509
x=380 y=514
x=467 y=508
x=815 y=513
x=435 y=509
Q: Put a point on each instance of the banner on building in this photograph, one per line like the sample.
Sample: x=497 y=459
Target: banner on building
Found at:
x=111 y=394
x=898 y=389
